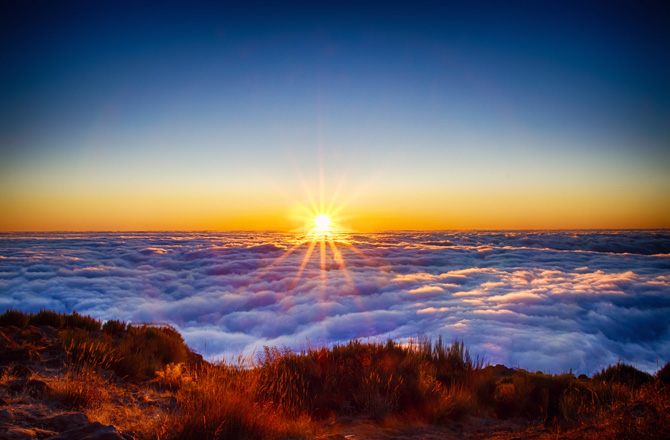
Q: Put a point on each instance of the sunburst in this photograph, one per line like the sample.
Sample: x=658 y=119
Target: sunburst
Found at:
x=321 y=229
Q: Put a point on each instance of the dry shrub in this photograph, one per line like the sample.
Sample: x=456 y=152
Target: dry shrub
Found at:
x=636 y=413
x=623 y=374
x=84 y=350
x=75 y=320
x=114 y=328
x=287 y=379
x=222 y=404
x=135 y=357
x=378 y=394
x=79 y=388
x=14 y=318
x=47 y=317
x=450 y=405
x=140 y=421
x=663 y=375
x=146 y=350
x=173 y=377
x=376 y=380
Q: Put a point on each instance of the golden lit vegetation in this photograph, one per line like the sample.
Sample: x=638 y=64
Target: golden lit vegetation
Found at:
x=147 y=382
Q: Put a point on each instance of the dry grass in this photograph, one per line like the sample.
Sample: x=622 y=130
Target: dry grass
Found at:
x=80 y=388
x=221 y=403
x=141 y=380
x=135 y=357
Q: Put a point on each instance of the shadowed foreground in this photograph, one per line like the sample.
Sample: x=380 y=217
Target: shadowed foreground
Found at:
x=70 y=377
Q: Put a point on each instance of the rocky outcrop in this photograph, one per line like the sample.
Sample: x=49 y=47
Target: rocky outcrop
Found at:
x=37 y=352
x=29 y=346
x=34 y=388
x=16 y=433
x=92 y=431
x=6 y=417
x=22 y=371
x=65 y=422
x=18 y=355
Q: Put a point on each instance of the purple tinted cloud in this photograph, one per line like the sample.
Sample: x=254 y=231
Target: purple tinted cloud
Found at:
x=548 y=301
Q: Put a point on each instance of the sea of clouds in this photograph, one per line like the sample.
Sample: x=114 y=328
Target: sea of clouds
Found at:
x=550 y=301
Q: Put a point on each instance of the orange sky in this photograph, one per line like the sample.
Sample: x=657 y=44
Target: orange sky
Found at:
x=373 y=209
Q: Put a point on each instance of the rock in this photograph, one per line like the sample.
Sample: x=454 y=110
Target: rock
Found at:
x=15 y=433
x=33 y=387
x=91 y=431
x=31 y=334
x=55 y=363
x=21 y=371
x=17 y=355
x=5 y=341
x=6 y=417
x=11 y=331
x=53 y=356
x=65 y=422
x=170 y=402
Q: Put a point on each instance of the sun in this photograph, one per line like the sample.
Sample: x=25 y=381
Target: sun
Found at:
x=322 y=236
x=322 y=223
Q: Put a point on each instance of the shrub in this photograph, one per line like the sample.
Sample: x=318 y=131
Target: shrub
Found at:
x=454 y=363
x=663 y=375
x=114 y=327
x=15 y=318
x=536 y=396
x=146 y=350
x=623 y=374
x=75 y=320
x=47 y=317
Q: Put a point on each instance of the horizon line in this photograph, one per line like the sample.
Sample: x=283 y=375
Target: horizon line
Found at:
x=278 y=231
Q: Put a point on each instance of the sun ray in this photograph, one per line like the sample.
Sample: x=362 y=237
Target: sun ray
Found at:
x=278 y=261
x=337 y=256
x=360 y=254
x=308 y=192
x=305 y=260
x=336 y=193
x=322 y=189
x=322 y=244
x=321 y=226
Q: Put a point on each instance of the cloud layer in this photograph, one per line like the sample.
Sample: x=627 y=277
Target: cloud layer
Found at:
x=549 y=301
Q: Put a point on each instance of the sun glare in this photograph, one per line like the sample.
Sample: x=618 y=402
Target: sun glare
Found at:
x=322 y=222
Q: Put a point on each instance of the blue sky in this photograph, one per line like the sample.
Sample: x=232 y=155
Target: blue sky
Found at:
x=413 y=105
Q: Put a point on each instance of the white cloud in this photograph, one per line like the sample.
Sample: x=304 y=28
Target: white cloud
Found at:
x=539 y=300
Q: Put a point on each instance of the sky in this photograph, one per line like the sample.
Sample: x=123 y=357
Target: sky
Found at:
x=417 y=115
x=540 y=300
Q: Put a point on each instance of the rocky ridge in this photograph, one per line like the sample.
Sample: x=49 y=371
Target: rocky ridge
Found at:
x=32 y=361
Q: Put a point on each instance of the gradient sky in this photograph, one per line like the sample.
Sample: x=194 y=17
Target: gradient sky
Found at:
x=462 y=115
